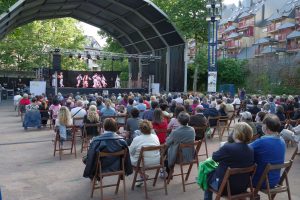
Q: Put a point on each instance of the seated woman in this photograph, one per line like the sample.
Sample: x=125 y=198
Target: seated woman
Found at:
x=92 y=117
x=235 y=155
x=160 y=125
x=132 y=124
x=174 y=124
x=146 y=139
x=258 y=123
x=44 y=109
x=108 y=110
x=109 y=142
x=63 y=121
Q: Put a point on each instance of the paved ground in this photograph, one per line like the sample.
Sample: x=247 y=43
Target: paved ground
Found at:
x=28 y=170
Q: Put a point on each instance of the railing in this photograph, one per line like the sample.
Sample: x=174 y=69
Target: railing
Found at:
x=282 y=37
x=244 y=24
x=293 y=46
x=272 y=27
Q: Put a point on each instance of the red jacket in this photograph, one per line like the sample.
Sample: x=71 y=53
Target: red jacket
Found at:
x=162 y=135
x=24 y=102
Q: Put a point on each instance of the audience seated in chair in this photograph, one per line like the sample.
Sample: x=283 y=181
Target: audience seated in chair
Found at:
x=184 y=134
x=270 y=148
x=160 y=125
x=92 y=117
x=110 y=142
x=63 y=121
x=234 y=155
x=78 y=112
x=174 y=124
x=146 y=139
x=198 y=120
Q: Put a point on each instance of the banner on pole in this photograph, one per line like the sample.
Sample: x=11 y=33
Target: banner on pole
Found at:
x=212 y=82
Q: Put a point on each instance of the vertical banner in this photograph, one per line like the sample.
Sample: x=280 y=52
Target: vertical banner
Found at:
x=37 y=87
x=212 y=82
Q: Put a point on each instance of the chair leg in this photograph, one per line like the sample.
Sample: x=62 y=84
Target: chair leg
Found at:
x=188 y=173
x=118 y=184
x=55 y=145
x=145 y=184
x=60 y=149
x=206 y=151
x=134 y=179
x=165 y=184
x=124 y=187
x=182 y=178
x=101 y=187
x=93 y=186
x=170 y=175
x=155 y=178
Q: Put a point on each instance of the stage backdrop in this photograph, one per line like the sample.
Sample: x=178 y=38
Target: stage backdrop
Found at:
x=86 y=79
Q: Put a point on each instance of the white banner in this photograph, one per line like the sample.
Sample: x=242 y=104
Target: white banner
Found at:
x=155 y=88
x=37 y=87
x=212 y=82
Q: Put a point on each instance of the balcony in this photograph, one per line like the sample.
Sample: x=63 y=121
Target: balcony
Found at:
x=233 y=45
x=297 y=13
x=272 y=28
x=282 y=38
x=293 y=47
x=245 y=24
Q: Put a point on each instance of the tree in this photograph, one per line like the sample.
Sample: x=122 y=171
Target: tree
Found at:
x=231 y=71
x=28 y=46
x=189 y=17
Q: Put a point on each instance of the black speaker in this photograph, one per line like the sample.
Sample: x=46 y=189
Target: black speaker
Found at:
x=56 y=62
x=134 y=71
x=152 y=67
x=145 y=72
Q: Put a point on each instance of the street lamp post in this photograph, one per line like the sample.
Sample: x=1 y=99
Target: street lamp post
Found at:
x=214 y=8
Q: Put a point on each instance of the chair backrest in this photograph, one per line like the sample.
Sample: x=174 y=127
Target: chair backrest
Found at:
x=269 y=167
x=121 y=154
x=230 y=172
x=213 y=120
x=195 y=146
x=86 y=127
x=160 y=148
x=78 y=120
x=200 y=130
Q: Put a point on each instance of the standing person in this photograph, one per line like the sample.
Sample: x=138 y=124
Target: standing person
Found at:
x=44 y=112
x=61 y=79
x=117 y=82
x=85 y=81
x=160 y=123
x=103 y=81
x=95 y=81
x=54 y=80
x=265 y=153
x=54 y=109
x=79 y=79
x=17 y=99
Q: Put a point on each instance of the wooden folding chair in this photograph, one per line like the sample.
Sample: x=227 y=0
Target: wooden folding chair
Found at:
x=85 y=137
x=223 y=124
x=215 y=127
x=279 y=188
x=58 y=145
x=203 y=130
x=231 y=118
x=288 y=114
x=99 y=175
x=141 y=167
x=78 y=129
x=230 y=172
x=195 y=146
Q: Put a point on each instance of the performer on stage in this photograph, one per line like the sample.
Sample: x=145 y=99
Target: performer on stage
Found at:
x=61 y=79
x=79 y=79
x=117 y=82
x=85 y=82
x=95 y=81
x=99 y=81
x=103 y=81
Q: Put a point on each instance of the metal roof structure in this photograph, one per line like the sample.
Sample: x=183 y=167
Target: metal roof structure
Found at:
x=138 y=25
x=286 y=25
x=294 y=34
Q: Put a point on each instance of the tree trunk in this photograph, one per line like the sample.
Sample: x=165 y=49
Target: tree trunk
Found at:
x=195 y=78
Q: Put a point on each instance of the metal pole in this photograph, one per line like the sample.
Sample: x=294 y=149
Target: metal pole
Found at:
x=185 y=66
x=55 y=74
x=168 y=62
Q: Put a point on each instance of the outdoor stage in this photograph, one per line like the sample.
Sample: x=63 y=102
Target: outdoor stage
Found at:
x=68 y=90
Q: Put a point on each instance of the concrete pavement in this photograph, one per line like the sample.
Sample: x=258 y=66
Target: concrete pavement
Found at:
x=28 y=170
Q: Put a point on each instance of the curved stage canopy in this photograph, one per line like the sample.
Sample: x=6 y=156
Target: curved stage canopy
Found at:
x=138 y=25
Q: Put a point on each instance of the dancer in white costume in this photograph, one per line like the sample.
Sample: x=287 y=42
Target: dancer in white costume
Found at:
x=85 y=83
x=61 y=79
x=103 y=81
x=79 y=79
x=95 y=81
x=117 y=82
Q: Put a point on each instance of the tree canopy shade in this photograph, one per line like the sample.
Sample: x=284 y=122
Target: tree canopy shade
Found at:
x=138 y=25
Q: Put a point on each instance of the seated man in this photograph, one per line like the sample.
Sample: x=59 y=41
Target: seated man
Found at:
x=110 y=142
x=264 y=151
x=212 y=112
x=198 y=120
x=148 y=114
x=78 y=112
x=182 y=135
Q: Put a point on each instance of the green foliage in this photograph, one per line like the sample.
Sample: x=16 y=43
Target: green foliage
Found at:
x=231 y=71
x=28 y=46
x=188 y=16
x=5 y=4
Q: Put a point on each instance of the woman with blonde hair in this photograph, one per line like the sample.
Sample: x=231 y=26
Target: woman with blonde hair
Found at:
x=63 y=120
x=92 y=117
x=234 y=155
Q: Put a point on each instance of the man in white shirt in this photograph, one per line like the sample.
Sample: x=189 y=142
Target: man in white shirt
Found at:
x=236 y=101
x=78 y=112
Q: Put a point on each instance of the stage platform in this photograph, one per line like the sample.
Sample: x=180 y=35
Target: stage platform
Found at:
x=68 y=90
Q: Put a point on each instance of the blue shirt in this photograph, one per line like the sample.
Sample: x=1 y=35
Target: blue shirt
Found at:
x=148 y=115
x=268 y=149
x=108 y=111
